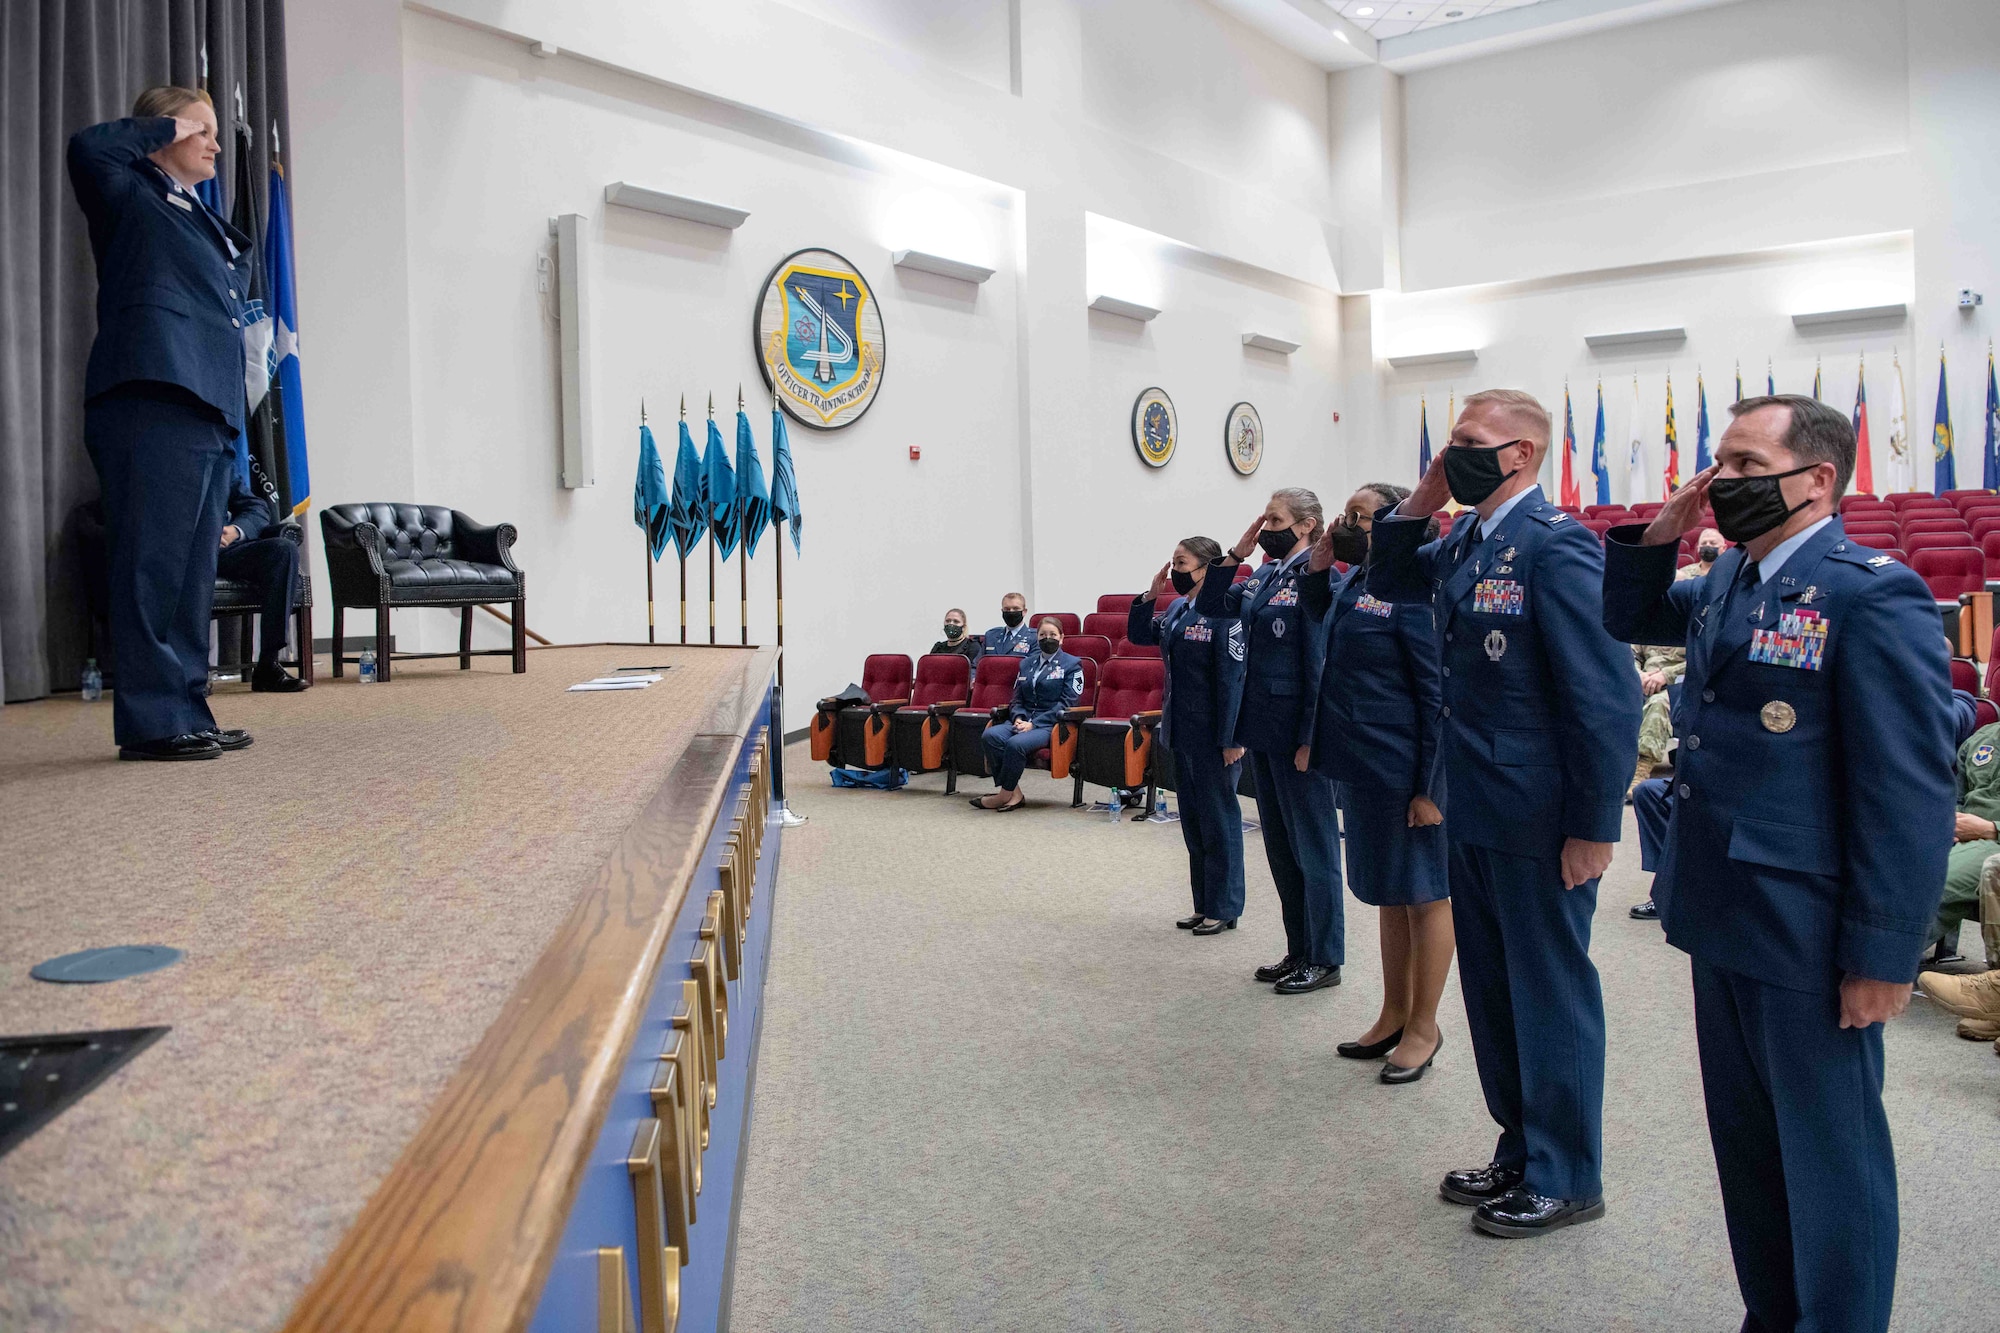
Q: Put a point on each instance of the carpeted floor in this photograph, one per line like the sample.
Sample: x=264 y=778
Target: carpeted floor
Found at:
x=997 y=1090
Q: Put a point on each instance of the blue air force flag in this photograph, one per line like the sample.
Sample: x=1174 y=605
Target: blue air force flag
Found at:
x=718 y=493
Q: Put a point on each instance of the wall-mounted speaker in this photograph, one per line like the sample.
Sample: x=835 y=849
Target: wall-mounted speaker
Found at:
x=579 y=460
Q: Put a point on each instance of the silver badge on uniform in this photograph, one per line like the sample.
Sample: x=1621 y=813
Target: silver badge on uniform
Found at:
x=1278 y=627
x=1496 y=646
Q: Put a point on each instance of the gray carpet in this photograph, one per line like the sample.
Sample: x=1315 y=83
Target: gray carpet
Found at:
x=998 y=1090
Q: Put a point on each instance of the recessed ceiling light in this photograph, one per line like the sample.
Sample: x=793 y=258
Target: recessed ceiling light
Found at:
x=1365 y=11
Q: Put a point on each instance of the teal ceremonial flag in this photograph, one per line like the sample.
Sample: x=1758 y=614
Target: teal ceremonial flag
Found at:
x=784 y=482
x=1701 y=455
x=1992 y=481
x=718 y=493
x=685 y=518
x=1944 y=476
x=650 y=503
x=1598 y=467
x=753 y=504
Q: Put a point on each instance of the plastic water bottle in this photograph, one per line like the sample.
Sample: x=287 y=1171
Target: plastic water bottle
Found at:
x=367 y=666
x=93 y=682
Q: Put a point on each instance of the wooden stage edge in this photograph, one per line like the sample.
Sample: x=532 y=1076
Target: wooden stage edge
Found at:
x=461 y=1233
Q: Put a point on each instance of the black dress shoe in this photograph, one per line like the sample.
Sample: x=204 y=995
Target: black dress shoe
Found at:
x=233 y=739
x=1393 y=1073
x=1522 y=1212
x=1277 y=971
x=1646 y=911
x=171 y=748
x=1215 y=927
x=276 y=680
x=1372 y=1050
x=1481 y=1184
x=1189 y=922
x=1308 y=978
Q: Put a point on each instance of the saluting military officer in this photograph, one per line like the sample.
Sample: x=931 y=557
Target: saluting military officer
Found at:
x=1812 y=816
x=1541 y=714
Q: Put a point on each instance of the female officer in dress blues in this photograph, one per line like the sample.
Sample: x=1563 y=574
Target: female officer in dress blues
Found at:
x=1204 y=659
x=1377 y=737
x=1050 y=683
x=163 y=405
x=1275 y=724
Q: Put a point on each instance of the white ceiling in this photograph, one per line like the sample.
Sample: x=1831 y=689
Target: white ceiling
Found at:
x=1380 y=18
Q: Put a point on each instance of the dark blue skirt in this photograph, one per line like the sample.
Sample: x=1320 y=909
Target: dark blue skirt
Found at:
x=1390 y=864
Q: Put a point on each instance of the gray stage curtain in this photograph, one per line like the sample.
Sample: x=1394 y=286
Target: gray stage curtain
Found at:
x=65 y=64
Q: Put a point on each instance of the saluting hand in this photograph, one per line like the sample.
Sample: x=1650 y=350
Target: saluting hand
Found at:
x=1431 y=492
x=1163 y=583
x=1321 y=558
x=1241 y=551
x=185 y=128
x=1682 y=510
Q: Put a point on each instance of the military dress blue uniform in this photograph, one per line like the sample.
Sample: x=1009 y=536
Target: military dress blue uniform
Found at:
x=164 y=401
x=1377 y=736
x=1204 y=658
x=1017 y=641
x=268 y=563
x=1047 y=687
x=1812 y=815
x=1280 y=695
x=1541 y=719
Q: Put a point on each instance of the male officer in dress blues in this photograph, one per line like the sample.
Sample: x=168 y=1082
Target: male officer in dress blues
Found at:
x=1049 y=684
x=255 y=551
x=1812 y=814
x=163 y=405
x=1014 y=637
x=1541 y=714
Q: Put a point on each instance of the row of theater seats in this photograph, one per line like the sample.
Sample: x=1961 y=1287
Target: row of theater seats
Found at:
x=1951 y=540
x=931 y=718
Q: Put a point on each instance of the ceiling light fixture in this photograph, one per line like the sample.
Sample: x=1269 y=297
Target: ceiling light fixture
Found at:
x=1365 y=11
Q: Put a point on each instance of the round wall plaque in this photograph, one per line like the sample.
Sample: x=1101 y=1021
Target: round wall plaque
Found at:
x=819 y=338
x=1155 y=428
x=1243 y=438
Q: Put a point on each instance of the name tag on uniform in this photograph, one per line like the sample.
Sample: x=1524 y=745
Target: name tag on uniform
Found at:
x=1374 y=606
x=1199 y=632
x=1798 y=641
x=1498 y=597
x=180 y=203
x=1285 y=596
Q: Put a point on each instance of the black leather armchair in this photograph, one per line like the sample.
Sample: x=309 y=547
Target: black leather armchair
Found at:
x=385 y=556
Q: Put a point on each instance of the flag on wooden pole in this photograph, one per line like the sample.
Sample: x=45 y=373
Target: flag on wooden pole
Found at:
x=1702 y=457
x=1944 y=472
x=1635 y=467
x=1902 y=468
x=1672 y=481
x=1598 y=466
x=1864 y=463
x=1569 y=489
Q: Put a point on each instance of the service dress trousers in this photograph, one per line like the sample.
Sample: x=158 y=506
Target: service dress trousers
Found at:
x=1008 y=751
x=163 y=462
x=1301 y=824
x=1212 y=827
x=271 y=565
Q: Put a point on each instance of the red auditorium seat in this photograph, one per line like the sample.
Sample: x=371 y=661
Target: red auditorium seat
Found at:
x=919 y=731
x=1117 y=740
x=1603 y=511
x=1091 y=647
x=1985 y=713
x=1993 y=663
x=1243 y=571
x=1964 y=675
x=1070 y=621
x=1880 y=541
x=1969 y=493
x=1927 y=506
x=1980 y=514
x=1989 y=549
x=1950 y=571
x=855 y=733
x=1983 y=523
x=1912 y=526
x=1126 y=650
x=1647 y=508
x=1901 y=498
x=1111 y=624
x=1683 y=560
x=1600 y=526
x=992 y=688
x=1914 y=542
x=1114 y=601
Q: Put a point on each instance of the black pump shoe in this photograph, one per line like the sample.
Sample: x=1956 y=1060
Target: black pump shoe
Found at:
x=1373 y=1050
x=1393 y=1073
x=1189 y=922
x=1211 y=927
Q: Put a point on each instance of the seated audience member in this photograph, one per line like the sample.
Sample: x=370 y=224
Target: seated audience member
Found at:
x=1050 y=683
x=1976 y=836
x=1652 y=805
x=1014 y=637
x=1708 y=548
x=270 y=564
x=1659 y=666
x=956 y=640
x=1975 y=999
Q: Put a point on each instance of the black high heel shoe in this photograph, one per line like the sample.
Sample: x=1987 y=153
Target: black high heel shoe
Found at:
x=1374 y=1050
x=1190 y=922
x=1212 y=926
x=1393 y=1073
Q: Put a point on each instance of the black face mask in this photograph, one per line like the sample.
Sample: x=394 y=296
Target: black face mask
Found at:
x=1013 y=618
x=1709 y=554
x=1050 y=645
x=1748 y=507
x=1183 y=582
x=1473 y=474
x=952 y=631
x=1277 y=542
x=1349 y=542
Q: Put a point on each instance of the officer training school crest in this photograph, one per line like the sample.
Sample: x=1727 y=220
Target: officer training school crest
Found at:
x=1155 y=427
x=820 y=340
x=1243 y=437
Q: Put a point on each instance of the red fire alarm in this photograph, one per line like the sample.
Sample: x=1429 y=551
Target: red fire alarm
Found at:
x=916 y=452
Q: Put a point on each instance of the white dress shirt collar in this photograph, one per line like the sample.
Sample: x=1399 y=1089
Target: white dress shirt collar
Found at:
x=1768 y=567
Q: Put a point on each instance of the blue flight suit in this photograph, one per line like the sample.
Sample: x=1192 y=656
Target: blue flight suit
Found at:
x=1541 y=719
x=1377 y=735
x=1204 y=658
x=163 y=405
x=268 y=563
x=1280 y=694
x=1813 y=813
x=1049 y=686
x=1018 y=641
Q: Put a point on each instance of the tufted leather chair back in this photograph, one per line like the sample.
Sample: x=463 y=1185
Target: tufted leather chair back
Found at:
x=409 y=532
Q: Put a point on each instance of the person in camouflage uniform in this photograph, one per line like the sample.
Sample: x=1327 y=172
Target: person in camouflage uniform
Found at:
x=1972 y=883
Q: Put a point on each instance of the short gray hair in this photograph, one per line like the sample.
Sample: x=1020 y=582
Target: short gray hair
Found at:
x=1303 y=504
x=1816 y=434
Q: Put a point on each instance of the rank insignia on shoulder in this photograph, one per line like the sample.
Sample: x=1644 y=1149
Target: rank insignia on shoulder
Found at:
x=1983 y=756
x=1880 y=560
x=1555 y=518
x=1374 y=606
